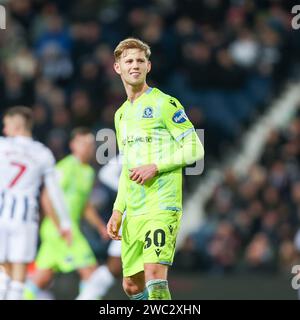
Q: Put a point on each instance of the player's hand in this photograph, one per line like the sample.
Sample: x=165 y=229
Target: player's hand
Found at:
x=114 y=224
x=143 y=173
x=102 y=230
x=66 y=234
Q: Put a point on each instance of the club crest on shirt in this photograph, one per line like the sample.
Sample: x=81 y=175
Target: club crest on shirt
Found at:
x=148 y=112
x=179 y=116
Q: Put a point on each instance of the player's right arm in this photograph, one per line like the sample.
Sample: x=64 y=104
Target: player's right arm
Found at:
x=120 y=202
x=114 y=225
x=119 y=207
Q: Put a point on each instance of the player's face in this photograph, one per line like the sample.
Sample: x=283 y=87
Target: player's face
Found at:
x=133 y=67
x=83 y=146
x=11 y=125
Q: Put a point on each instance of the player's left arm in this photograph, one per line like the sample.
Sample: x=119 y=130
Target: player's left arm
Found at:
x=49 y=211
x=190 y=148
x=54 y=191
x=93 y=218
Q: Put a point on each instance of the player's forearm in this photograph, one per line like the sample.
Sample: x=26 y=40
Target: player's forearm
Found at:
x=91 y=215
x=190 y=151
x=120 y=203
x=57 y=200
x=48 y=209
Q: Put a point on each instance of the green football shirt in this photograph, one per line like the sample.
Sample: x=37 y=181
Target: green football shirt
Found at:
x=76 y=180
x=151 y=130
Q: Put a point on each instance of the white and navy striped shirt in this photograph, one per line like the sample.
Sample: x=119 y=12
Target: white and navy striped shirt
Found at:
x=23 y=165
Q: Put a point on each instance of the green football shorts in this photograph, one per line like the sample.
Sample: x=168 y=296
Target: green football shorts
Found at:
x=56 y=255
x=149 y=238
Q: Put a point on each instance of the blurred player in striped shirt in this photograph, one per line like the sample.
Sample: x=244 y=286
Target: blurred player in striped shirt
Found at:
x=25 y=165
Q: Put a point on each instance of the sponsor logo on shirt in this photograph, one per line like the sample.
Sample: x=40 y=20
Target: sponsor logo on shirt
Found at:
x=179 y=116
x=132 y=139
x=148 y=112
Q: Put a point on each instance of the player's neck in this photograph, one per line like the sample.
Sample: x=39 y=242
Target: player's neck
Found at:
x=80 y=159
x=134 y=92
x=23 y=133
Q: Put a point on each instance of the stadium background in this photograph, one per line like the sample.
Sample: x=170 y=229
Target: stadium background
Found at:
x=228 y=62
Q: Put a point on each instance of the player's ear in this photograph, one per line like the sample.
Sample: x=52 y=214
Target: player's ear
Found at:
x=149 y=67
x=117 y=68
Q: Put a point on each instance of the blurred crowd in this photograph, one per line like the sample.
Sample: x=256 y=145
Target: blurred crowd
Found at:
x=252 y=220
x=224 y=59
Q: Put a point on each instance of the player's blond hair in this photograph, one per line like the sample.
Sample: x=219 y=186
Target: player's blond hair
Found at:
x=132 y=43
